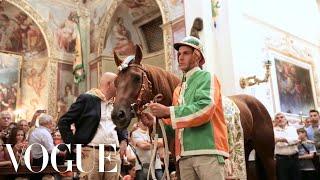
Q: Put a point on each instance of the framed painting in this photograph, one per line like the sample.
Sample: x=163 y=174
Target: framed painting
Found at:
x=10 y=68
x=67 y=90
x=293 y=85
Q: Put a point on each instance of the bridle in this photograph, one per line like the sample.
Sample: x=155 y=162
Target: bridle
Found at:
x=137 y=108
x=145 y=92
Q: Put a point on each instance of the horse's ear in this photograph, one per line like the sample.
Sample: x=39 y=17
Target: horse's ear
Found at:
x=138 y=56
x=117 y=60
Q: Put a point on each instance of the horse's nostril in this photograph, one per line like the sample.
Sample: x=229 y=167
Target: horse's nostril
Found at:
x=121 y=114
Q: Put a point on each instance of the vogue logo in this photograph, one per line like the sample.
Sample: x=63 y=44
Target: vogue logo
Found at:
x=54 y=152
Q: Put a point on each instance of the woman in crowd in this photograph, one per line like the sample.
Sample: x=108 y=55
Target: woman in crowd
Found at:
x=18 y=141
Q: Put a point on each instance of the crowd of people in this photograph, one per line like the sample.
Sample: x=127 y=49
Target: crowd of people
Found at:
x=23 y=133
x=297 y=147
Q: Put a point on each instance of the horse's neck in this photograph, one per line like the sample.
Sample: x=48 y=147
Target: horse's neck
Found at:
x=163 y=83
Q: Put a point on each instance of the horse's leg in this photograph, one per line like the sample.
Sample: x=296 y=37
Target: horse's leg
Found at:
x=265 y=154
x=257 y=127
x=250 y=168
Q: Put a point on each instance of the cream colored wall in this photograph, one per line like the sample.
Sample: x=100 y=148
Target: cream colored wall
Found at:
x=243 y=30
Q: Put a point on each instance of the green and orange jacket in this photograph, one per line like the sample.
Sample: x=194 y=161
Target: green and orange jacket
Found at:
x=197 y=116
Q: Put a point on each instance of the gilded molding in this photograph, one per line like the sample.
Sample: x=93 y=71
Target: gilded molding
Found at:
x=288 y=46
x=52 y=69
x=297 y=49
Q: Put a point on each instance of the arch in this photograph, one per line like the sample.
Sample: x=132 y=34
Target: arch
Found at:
x=167 y=30
x=40 y=22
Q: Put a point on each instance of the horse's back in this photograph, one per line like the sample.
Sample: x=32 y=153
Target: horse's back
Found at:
x=254 y=115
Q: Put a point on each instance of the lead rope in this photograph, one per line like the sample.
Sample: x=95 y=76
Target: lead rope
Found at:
x=155 y=146
x=166 y=151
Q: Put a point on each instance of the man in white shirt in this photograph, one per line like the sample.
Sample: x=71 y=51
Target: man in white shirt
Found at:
x=143 y=144
x=286 y=149
x=41 y=135
x=91 y=114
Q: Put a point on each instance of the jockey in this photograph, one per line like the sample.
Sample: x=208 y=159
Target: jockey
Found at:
x=201 y=138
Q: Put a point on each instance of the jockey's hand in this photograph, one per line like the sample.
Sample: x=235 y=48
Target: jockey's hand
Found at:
x=147 y=119
x=123 y=148
x=159 y=110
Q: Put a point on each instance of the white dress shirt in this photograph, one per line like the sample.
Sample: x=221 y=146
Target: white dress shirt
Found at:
x=284 y=148
x=106 y=133
x=40 y=135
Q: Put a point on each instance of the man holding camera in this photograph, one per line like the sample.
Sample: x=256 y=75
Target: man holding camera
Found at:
x=5 y=120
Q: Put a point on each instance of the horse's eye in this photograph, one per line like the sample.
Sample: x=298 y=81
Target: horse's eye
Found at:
x=136 y=78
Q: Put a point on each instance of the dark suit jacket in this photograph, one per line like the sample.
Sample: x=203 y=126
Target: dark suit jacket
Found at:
x=86 y=114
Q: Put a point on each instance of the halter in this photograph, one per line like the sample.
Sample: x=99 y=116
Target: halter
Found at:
x=137 y=108
x=145 y=91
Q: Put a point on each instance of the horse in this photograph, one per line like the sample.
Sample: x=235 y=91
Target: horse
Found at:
x=137 y=84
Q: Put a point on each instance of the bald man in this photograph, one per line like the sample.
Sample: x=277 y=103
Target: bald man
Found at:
x=91 y=114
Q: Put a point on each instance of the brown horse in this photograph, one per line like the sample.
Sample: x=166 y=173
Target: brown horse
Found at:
x=137 y=84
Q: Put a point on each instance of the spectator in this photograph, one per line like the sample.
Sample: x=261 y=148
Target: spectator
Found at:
x=143 y=152
x=286 y=149
x=12 y=125
x=173 y=175
x=130 y=171
x=5 y=120
x=41 y=135
x=91 y=114
x=23 y=124
x=57 y=138
x=18 y=141
x=4 y=156
x=307 y=122
x=306 y=152
x=314 y=119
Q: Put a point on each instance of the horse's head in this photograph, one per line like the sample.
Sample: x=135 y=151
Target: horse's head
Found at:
x=133 y=89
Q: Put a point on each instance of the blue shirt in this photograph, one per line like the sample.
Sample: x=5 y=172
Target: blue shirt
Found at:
x=310 y=132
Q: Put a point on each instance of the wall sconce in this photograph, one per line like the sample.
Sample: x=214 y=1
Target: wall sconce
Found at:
x=253 y=80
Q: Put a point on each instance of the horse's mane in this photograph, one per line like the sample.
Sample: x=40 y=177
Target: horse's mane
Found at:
x=162 y=82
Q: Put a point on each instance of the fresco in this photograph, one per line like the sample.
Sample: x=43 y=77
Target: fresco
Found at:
x=34 y=86
x=62 y=20
x=139 y=8
x=176 y=9
x=19 y=33
x=97 y=11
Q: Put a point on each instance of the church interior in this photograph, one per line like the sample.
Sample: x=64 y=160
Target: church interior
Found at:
x=43 y=41
x=51 y=51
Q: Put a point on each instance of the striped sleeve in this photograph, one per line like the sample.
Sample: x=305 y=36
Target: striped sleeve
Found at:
x=175 y=98
x=200 y=110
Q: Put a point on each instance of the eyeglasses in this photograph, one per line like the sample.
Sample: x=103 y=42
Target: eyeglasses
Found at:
x=279 y=117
